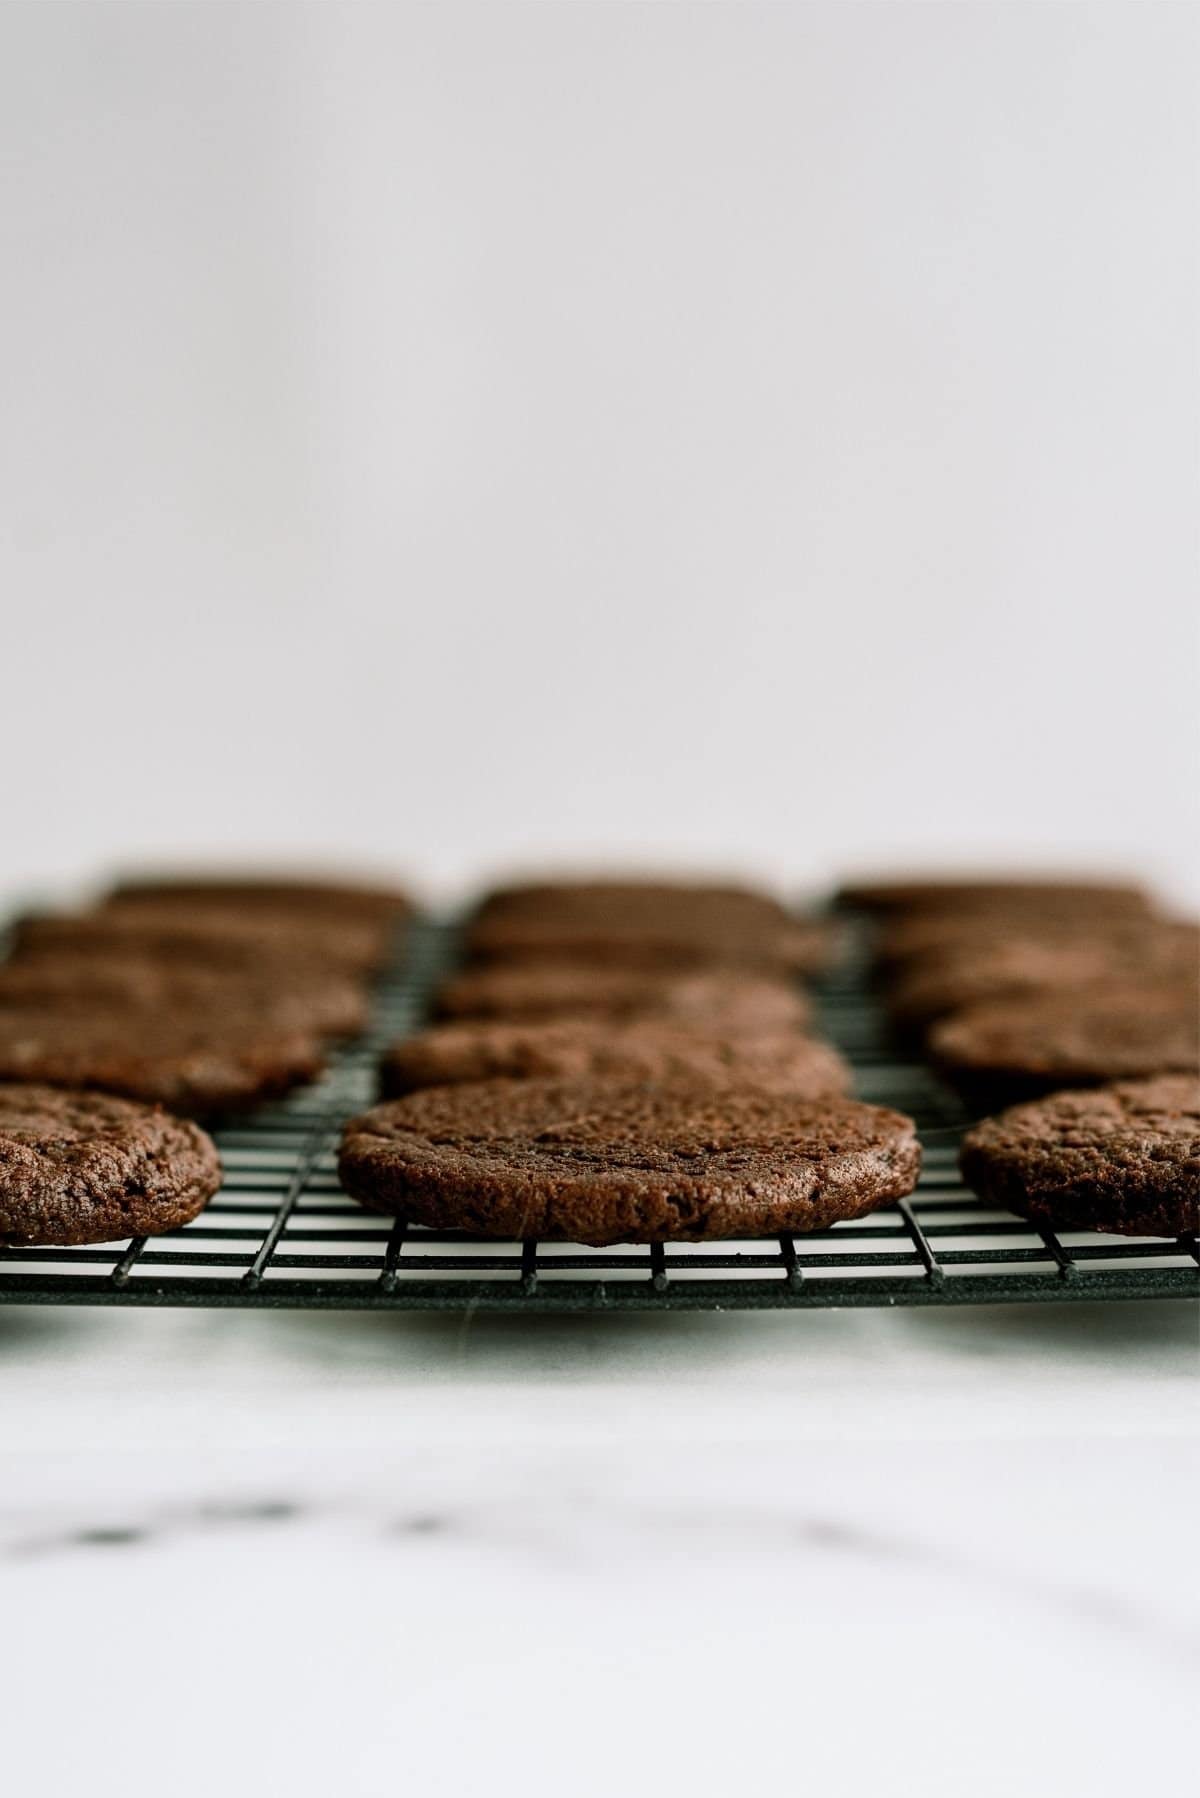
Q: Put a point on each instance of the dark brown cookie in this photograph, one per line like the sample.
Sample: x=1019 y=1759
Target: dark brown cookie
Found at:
x=655 y=936
x=303 y=896
x=1017 y=1048
x=934 y=986
x=922 y=939
x=357 y=926
x=1122 y=1158
x=644 y=923
x=600 y=1048
x=344 y=939
x=608 y=1161
x=209 y=937
x=556 y=898
x=199 y=1065
x=723 y=1000
x=79 y=1167
x=972 y=892
x=329 y=1005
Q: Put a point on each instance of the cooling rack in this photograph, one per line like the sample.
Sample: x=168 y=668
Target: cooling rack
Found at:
x=281 y=1233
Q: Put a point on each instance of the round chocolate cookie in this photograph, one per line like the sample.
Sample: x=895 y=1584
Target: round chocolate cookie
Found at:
x=922 y=939
x=648 y=927
x=328 y=1005
x=1123 y=1158
x=197 y=1064
x=1017 y=1048
x=546 y=898
x=725 y=1000
x=354 y=930
x=206 y=937
x=1002 y=892
x=790 y=947
x=1020 y=964
x=304 y=896
x=598 y=1048
x=597 y=1161
x=79 y=1167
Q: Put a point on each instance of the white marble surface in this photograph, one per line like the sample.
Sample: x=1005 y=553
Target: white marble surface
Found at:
x=917 y=1551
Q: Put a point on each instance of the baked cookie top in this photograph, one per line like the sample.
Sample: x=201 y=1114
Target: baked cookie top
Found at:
x=590 y=1048
x=1124 y=1157
x=198 y=1063
x=597 y=1162
x=1018 y=964
x=783 y=946
x=646 y=925
x=542 y=898
x=214 y=937
x=79 y=1167
x=1001 y=891
x=298 y=998
x=917 y=939
x=1097 y=1034
x=305 y=895
x=728 y=999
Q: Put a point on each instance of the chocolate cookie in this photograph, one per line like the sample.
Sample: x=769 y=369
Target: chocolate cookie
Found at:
x=600 y=1048
x=329 y=1005
x=208 y=937
x=724 y=1000
x=547 y=898
x=360 y=943
x=79 y=1167
x=927 y=937
x=1122 y=1158
x=970 y=975
x=1017 y=1048
x=303 y=896
x=360 y=926
x=660 y=935
x=1002 y=892
x=610 y=1161
x=195 y=1064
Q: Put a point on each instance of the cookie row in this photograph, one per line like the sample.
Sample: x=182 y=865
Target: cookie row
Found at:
x=1083 y=1001
x=204 y=997
x=627 y=1061
x=167 y=1000
x=645 y=980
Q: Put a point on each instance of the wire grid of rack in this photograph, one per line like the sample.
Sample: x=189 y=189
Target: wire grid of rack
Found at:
x=281 y=1232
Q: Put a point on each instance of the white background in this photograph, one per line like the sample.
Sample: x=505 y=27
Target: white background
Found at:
x=728 y=433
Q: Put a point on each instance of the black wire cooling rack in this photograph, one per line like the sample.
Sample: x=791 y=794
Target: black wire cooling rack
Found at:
x=281 y=1232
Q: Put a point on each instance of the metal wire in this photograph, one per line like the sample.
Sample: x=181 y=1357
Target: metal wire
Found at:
x=281 y=1233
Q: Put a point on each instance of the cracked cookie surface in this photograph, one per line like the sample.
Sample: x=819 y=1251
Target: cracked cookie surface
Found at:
x=1122 y=1158
x=79 y=1167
